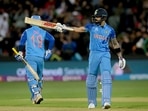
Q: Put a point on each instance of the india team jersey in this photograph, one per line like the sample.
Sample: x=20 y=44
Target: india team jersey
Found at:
x=100 y=37
x=34 y=41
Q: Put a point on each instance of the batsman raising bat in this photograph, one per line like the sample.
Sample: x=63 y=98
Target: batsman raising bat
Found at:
x=101 y=35
x=33 y=41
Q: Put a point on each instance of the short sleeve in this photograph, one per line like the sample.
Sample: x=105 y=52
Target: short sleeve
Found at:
x=88 y=27
x=112 y=34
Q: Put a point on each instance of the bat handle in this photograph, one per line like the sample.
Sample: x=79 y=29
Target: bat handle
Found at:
x=14 y=50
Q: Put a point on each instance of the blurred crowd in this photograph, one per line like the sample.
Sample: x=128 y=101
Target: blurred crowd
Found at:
x=127 y=17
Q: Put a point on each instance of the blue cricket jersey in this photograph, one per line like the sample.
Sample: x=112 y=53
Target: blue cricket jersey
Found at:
x=100 y=36
x=34 y=40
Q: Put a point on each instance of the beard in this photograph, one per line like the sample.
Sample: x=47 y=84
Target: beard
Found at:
x=94 y=20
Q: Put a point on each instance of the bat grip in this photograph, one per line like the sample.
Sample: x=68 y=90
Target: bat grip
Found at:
x=14 y=50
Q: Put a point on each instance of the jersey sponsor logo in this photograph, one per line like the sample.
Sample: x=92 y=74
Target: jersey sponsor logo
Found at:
x=100 y=37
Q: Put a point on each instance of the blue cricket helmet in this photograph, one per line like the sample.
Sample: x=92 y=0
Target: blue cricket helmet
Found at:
x=101 y=12
x=37 y=17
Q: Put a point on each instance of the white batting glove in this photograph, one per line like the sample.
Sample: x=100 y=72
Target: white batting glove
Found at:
x=19 y=56
x=122 y=63
x=47 y=54
x=59 y=27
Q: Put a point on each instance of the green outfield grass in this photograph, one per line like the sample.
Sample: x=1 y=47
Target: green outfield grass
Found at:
x=71 y=96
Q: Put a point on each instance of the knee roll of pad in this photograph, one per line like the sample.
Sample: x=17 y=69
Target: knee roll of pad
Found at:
x=91 y=81
x=106 y=77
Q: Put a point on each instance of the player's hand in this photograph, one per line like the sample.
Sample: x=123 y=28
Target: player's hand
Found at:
x=122 y=63
x=59 y=27
x=19 y=56
x=47 y=54
x=67 y=28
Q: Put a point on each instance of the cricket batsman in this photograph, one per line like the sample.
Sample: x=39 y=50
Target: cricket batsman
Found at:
x=33 y=41
x=101 y=35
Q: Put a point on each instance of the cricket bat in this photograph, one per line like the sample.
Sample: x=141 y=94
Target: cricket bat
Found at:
x=33 y=72
x=45 y=24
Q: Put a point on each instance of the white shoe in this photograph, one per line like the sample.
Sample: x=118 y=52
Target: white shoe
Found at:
x=91 y=106
x=37 y=99
x=106 y=105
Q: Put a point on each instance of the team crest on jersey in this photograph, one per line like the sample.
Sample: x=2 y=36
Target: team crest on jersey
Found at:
x=106 y=31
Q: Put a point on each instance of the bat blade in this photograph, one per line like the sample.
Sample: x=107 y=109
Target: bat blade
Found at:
x=40 y=23
x=45 y=24
x=33 y=72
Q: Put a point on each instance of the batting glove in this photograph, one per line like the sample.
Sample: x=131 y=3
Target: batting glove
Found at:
x=59 y=27
x=122 y=63
x=19 y=56
x=47 y=54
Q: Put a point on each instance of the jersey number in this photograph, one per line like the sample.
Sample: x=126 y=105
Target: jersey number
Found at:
x=37 y=40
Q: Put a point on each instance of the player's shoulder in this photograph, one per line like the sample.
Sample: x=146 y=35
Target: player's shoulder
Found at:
x=89 y=25
x=109 y=26
x=36 y=28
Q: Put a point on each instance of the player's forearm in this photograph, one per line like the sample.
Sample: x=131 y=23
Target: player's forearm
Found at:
x=119 y=54
x=79 y=29
x=21 y=47
x=51 y=44
x=118 y=51
x=117 y=48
